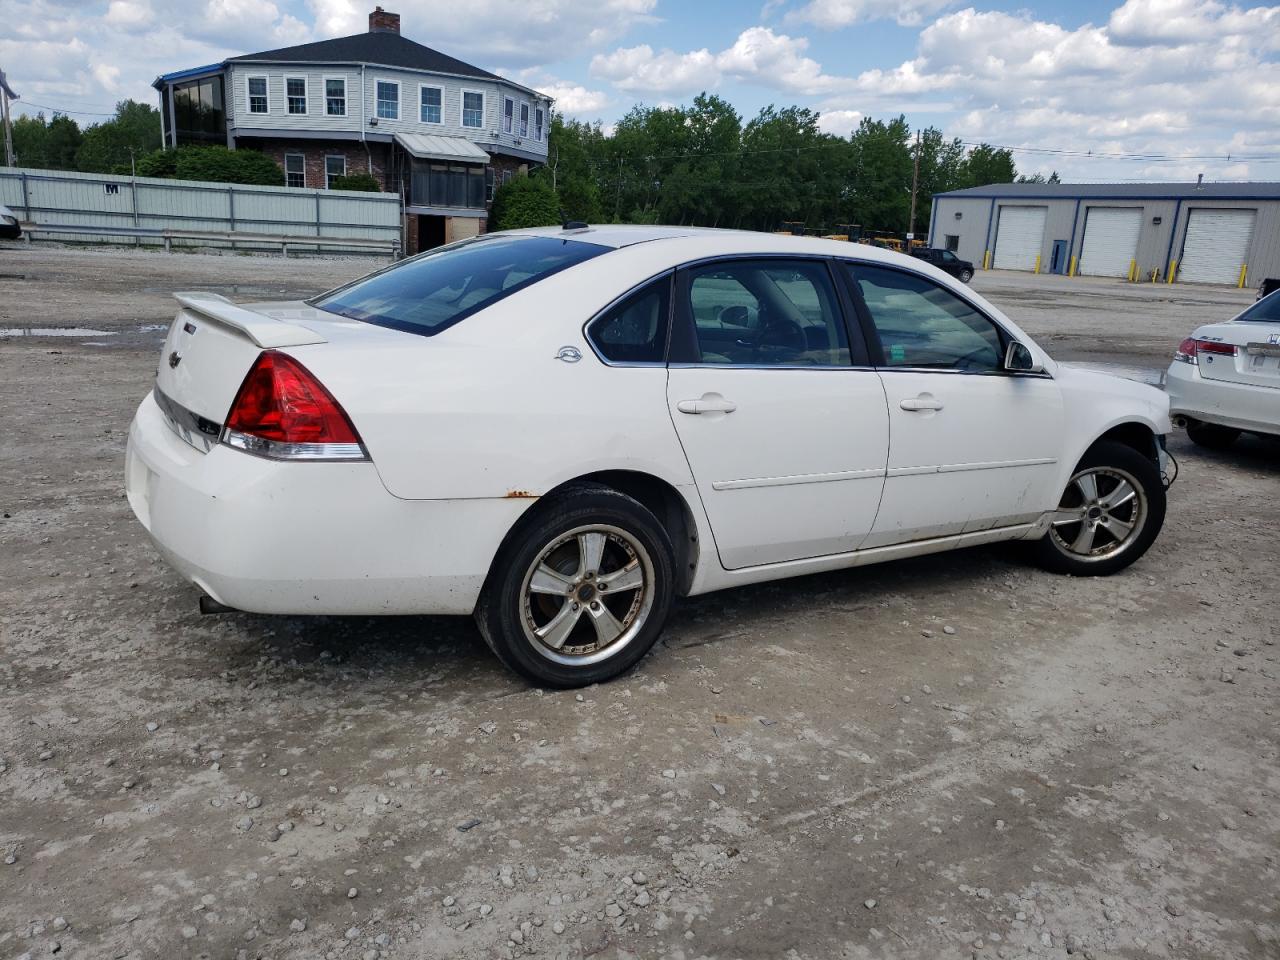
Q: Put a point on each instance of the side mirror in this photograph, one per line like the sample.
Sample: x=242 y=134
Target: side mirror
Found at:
x=1019 y=359
x=735 y=316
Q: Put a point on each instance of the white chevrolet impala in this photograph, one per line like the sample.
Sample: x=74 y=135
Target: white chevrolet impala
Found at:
x=562 y=431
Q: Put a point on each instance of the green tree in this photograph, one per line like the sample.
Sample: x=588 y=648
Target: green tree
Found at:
x=112 y=146
x=220 y=165
x=880 y=178
x=987 y=164
x=47 y=145
x=574 y=150
x=525 y=202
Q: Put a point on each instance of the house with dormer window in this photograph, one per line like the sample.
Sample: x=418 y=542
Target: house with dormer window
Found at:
x=442 y=133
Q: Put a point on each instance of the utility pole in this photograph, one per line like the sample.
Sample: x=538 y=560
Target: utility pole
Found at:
x=915 y=184
x=7 y=94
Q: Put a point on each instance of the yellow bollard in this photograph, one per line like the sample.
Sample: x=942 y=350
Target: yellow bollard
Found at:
x=986 y=260
x=1244 y=272
x=1173 y=270
x=1037 y=269
x=1071 y=272
x=1133 y=267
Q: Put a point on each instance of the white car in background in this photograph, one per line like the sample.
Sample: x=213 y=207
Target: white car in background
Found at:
x=1225 y=377
x=562 y=431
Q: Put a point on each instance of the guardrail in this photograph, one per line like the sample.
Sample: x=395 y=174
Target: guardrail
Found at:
x=167 y=237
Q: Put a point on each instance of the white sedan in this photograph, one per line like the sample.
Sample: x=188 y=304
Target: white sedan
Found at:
x=562 y=431
x=1225 y=377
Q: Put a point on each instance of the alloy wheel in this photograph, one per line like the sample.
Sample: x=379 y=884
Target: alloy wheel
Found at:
x=1101 y=514
x=586 y=595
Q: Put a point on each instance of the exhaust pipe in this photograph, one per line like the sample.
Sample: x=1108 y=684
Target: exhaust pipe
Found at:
x=208 y=606
x=1180 y=422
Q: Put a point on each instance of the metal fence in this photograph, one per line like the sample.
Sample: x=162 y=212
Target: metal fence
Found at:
x=138 y=205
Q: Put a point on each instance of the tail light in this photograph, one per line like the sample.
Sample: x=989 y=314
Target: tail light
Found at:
x=1189 y=350
x=282 y=412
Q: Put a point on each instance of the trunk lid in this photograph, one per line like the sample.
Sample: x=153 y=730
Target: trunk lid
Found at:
x=210 y=347
x=1257 y=357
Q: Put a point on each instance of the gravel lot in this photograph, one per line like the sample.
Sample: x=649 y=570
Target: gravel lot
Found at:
x=946 y=757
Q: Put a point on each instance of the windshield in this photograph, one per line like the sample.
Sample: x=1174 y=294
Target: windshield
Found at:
x=432 y=291
x=1266 y=309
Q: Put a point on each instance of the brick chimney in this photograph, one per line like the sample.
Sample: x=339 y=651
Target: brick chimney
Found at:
x=382 y=22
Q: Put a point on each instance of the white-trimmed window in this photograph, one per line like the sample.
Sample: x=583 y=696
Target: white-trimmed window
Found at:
x=430 y=104
x=295 y=94
x=539 y=118
x=472 y=108
x=335 y=96
x=524 y=119
x=508 y=115
x=388 y=105
x=257 y=88
x=295 y=170
x=334 y=166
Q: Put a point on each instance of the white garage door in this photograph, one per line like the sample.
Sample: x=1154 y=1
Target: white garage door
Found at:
x=1019 y=237
x=1216 y=245
x=1110 y=241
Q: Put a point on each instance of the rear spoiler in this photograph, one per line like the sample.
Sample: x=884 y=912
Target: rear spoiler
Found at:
x=267 y=332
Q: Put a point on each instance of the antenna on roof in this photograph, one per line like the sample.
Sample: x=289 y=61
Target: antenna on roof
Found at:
x=568 y=224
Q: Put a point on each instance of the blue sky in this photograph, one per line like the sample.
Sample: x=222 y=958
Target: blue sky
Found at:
x=1132 y=90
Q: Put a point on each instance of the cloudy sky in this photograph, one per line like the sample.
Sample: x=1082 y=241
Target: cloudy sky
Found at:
x=1194 y=82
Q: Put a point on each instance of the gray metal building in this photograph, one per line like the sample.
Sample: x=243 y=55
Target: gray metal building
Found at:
x=1225 y=233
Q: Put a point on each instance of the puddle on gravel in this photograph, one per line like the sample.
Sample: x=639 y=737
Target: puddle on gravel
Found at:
x=144 y=334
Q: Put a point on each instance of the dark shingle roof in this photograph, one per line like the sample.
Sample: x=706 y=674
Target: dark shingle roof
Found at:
x=385 y=48
x=1126 y=191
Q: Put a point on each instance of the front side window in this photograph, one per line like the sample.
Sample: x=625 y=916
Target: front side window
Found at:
x=335 y=97
x=635 y=331
x=524 y=119
x=334 y=167
x=295 y=170
x=295 y=89
x=508 y=114
x=538 y=120
x=921 y=324
x=430 y=99
x=257 y=94
x=761 y=312
x=388 y=107
x=432 y=291
x=473 y=109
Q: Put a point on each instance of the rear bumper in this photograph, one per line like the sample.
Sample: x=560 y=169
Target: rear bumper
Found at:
x=1241 y=406
x=306 y=538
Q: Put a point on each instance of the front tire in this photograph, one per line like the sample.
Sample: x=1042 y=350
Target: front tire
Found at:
x=582 y=589
x=1108 y=516
x=1210 y=435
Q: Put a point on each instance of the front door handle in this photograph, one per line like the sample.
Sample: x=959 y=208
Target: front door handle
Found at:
x=707 y=403
x=922 y=402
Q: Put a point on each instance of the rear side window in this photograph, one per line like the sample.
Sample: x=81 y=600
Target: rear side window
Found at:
x=428 y=293
x=635 y=330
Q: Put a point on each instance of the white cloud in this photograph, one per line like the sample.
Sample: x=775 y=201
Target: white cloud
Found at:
x=758 y=55
x=516 y=32
x=834 y=14
x=575 y=99
x=839 y=122
x=1204 y=72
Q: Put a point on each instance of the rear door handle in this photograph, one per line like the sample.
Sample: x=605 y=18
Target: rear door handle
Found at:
x=922 y=402
x=707 y=403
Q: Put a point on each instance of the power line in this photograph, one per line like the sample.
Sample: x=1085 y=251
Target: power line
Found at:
x=83 y=113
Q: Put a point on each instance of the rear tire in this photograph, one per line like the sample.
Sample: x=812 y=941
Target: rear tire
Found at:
x=966 y=276
x=1108 y=516
x=582 y=589
x=1210 y=435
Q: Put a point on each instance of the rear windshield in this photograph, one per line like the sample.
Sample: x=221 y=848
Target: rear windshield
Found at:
x=430 y=292
x=1268 y=308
